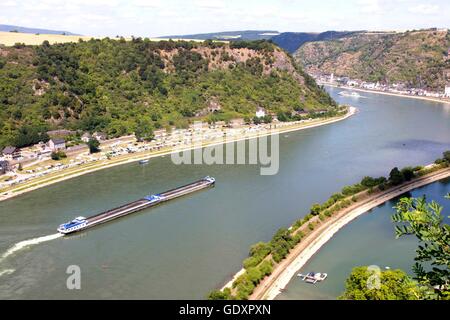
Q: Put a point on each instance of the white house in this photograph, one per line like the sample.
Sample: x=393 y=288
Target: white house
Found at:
x=57 y=144
x=11 y=153
x=260 y=112
x=100 y=136
x=86 y=137
x=447 y=92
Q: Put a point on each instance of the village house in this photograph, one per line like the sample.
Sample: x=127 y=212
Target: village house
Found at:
x=4 y=166
x=57 y=144
x=447 y=91
x=100 y=136
x=260 y=112
x=86 y=137
x=11 y=153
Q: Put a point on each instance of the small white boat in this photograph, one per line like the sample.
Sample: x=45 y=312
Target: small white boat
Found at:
x=349 y=94
x=144 y=161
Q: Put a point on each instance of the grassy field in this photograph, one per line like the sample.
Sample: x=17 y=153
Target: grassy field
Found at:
x=10 y=38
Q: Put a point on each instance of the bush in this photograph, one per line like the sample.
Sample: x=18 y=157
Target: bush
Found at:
x=266 y=268
x=408 y=173
x=280 y=244
x=257 y=254
x=447 y=156
x=244 y=287
x=93 y=145
x=220 y=295
x=58 y=155
x=297 y=238
x=315 y=209
x=250 y=262
x=351 y=190
x=297 y=224
x=254 y=275
x=370 y=182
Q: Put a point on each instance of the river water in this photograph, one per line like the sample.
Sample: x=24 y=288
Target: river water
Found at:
x=368 y=241
x=185 y=248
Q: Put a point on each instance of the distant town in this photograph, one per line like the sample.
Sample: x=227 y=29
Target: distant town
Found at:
x=394 y=88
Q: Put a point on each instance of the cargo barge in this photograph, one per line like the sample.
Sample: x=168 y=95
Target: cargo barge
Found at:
x=82 y=223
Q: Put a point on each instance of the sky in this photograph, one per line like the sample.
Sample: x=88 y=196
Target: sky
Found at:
x=149 y=18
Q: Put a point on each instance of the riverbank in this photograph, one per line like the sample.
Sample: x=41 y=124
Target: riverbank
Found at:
x=282 y=274
x=388 y=93
x=104 y=164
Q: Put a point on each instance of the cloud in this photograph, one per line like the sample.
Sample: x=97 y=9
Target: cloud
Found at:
x=210 y=4
x=9 y=3
x=424 y=9
x=147 y=3
x=370 y=6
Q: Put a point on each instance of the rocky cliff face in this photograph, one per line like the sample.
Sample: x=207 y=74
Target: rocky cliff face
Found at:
x=416 y=58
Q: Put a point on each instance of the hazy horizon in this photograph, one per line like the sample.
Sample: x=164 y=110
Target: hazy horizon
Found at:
x=152 y=18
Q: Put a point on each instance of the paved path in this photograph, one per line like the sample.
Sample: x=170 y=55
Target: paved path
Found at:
x=270 y=287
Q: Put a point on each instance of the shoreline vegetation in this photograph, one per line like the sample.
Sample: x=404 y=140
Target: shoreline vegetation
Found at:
x=445 y=101
x=271 y=265
x=104 y=164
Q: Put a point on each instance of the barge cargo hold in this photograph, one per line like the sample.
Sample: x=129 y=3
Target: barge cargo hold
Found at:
x=82 y=223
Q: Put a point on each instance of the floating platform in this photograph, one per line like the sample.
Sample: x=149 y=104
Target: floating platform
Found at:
x=313 y=277
x=81 y=223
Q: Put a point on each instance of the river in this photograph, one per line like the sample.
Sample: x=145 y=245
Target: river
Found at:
x=185 y=248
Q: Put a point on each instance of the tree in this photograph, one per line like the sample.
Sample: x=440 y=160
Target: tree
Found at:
x=220 y=295
x=370 y=182
x=282 y=116
x=257 y=120
x=267 y=119
x=315 y=209
x=58 y=155
x=408 y=173
x=144 y=131
x=396 y=177
x=447 y=156
x=93 y=145
x=366 y=284
x=425 y=221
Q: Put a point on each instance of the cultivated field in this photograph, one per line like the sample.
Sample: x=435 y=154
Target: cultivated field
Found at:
x=11 y=38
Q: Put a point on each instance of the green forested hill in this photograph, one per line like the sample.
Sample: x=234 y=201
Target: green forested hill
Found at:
x=416 y=58
x=116 y=86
